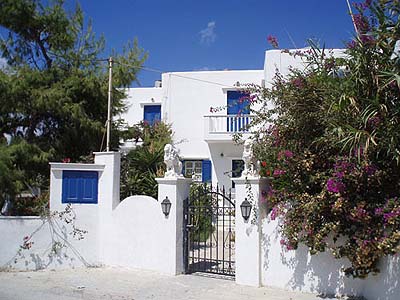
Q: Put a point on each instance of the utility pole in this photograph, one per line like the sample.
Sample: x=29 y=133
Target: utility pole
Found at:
x=352 y=17
x=109 y=115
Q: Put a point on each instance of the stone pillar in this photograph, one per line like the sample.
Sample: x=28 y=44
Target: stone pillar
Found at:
x=109 y=180
x=108 y=199
x=177 y=190
x=248 y=233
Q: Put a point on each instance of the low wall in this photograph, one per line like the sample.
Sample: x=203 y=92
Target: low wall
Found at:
x=321 y=273
x=50 y=244
x=136 y=235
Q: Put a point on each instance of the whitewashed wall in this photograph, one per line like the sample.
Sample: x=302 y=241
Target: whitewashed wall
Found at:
x=135 y=101
x=83 y=252
x=186 y=97
x=76 y=253
x=136 y=234
x=12 y=232
x=321 y=273
x=186 y=101
x=139 y=235
x=132 y=233
x=278 y=61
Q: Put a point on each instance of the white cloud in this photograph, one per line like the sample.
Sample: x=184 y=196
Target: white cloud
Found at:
x=204 y=69
x=208 y=35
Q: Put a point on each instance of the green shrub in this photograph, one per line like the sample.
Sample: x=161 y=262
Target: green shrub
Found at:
x=142 y=165
x=331 y=145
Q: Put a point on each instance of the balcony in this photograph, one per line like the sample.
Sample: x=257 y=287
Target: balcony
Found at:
x=221 y=128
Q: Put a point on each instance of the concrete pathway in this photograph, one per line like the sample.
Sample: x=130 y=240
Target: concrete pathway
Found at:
x=128 y=284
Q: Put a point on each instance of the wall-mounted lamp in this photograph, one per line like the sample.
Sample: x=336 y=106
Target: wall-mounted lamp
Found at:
x=166 y=206
x=245 y=208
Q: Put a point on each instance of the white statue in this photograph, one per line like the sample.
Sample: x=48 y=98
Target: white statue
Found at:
x=5 y=210
x=250 y=162
x=171 y=160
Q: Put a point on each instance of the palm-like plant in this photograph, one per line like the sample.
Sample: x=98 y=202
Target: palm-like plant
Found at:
x=140 y=166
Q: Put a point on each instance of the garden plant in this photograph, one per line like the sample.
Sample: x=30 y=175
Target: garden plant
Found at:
x=331 y=144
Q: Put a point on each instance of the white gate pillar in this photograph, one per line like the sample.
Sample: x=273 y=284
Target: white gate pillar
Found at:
x=248 y=233
x=177 y=190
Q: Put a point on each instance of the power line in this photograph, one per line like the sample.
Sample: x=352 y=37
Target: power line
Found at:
x=173 y=74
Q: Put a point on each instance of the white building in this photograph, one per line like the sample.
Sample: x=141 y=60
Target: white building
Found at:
x=204 y=138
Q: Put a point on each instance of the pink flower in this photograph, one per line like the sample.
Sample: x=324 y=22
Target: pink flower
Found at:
x=334 y=186
x=273 y=41
x=367 y=39
x=361 y=23
x=279 y=172
x=288 y=154
x=298 y=82
x=370 y=170
x=274 y=213
x=379 y=211
x=285 y=154
x=351 y=44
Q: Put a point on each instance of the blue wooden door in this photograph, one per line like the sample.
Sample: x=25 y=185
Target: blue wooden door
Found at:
x=152 y=114
x=237 y=106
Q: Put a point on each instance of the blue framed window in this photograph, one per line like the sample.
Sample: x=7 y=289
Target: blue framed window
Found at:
x=238 y=105
x=80 y=187
x=152 y=114
x=199 y=170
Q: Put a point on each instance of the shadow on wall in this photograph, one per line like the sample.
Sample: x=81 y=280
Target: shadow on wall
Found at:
x=322 y=273
x=36 y=243
x=298 y=270
x=384 y=286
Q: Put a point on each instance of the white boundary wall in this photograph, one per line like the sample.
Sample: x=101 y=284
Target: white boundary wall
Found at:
x=132 y=233
x=321 y=273
x=262 y=260
x=135 y=233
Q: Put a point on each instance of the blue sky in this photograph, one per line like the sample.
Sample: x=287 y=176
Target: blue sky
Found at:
x=215 y=34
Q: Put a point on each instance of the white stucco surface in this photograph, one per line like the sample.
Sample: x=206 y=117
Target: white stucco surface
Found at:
x=186 y=97
x=135 y=101
x=321 y=273
x=281 y=62
x=133 y=233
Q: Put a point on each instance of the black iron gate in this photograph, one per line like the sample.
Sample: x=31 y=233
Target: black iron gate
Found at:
x=209 y=231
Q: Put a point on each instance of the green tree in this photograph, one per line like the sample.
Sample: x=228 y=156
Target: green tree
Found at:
x=53 y=92
x=331 y=144
x=142 y=165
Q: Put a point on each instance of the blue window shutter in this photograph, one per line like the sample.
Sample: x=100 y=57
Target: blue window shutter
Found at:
x=79 y=187
x=183 y=167
x=206 y=170
x=152 y=114
x=69 y=188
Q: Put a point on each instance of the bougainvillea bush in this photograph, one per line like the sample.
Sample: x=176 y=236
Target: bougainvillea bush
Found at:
x=331 y=144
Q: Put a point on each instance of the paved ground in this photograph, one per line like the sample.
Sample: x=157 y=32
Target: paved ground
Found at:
x=126 y=284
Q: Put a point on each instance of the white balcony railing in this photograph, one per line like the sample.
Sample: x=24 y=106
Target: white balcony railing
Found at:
x=226 y=125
